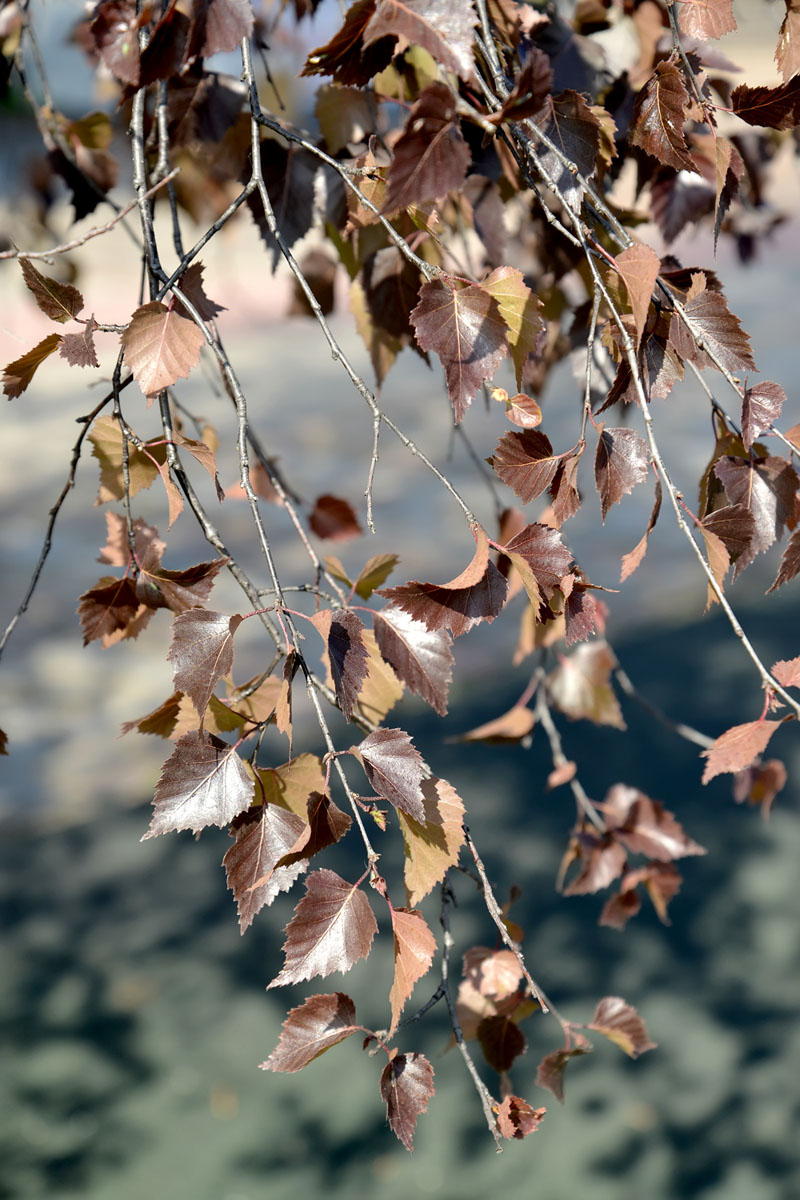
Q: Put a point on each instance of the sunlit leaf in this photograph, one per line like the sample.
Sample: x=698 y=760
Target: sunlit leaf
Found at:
x=332 y=928
x=406 y=1087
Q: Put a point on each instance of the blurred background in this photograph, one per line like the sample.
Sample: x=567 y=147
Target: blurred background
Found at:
x=136 y=1015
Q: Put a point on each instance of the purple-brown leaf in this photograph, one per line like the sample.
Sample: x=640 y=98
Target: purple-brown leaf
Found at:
x=526 y=462
x=203 y=782
x=772 y=107
x=78 y=348
x=348 y=658
x=334 y=519
x=332 y=928
x=58 y=301
x=421 y=657
x=621 y=462
x=201 y=652
x=738 y=747
x=263 y=836
x=441 y=27
x=501 y=1040
x=645 y=826
x=550 y=1072
x=18 y=374
x=406 y=1087
x=767 y=488
x=761 y=408
x=395 y=769
x=430 y=156
x=658 y=117
x=311 y=1029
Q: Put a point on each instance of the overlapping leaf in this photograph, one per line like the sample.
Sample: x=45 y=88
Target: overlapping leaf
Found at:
x=621 y=461
x=737 y=747
x=463 y=324
x=348 y=659
x=433 y=844
x=519 y=309
x=644 y=826
x=346 y=56
x=570 y=124
x=639 y=267
x=430 y=156
x=766 y=488
x=622 y=1025
x=161 y=346
x=311 y=1029
x=477 y=594
x=78 y=348
x=444 y=29
x=772 y=107
x=177 y=590
x=790 y=562
x=516 y=1118
x=526 y=462
x=718 y=329
x=761 y=408
x=263 y=836
x=332 y=928
x=658 y=118
x=406 y=1087
x=201 y=652
x=395 y=769
x=421 y=657
x=203 y=782
x=634 y=558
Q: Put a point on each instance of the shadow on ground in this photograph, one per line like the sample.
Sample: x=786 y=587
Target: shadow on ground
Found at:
x=139 y=1015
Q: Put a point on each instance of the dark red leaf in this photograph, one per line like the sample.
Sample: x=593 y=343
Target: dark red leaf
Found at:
x=516 y=1118
x=311 y=1029
x=395 y=769
x=203 y=782
x=735 y=526
x=177 y=590
x=264 y=835
x=550 y=1072
x=332 y=928
x=78 y=348
x=346 y=57
x=334 y=519
x=718 y=328
x=201 y=652
x=421 y=657
x=621 y=461
x=191 y=286
x=430 y=157
x=622 y=1025
x=115 y=30
x=644 y=826
x=218 y=26
x=563 y=489
x=767 y=488
x=444 y=29
x=530 y=89
x=678 y=200
x=738 y=747
x=406 y=1087
x=526 y=462
x=477 y=594
x=501 y=1040
x=326 y=826
x=761 y=408
x=790 y=562
x=773 y=107
x=541 y=558
x=348 y=658
x=463 y=325
x=575 y=130
x=583 y=614
x=58 y=301
x=109 y=606
x=658 y=117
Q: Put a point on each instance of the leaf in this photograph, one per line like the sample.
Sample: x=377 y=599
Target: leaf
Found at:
x=513 y=726
x=422 y=658
x=395 y=769
x=391 y=284
x=430 y=157
x=290 y=175
x=737 y=747
x=622 y=1025
x=733 y=526
x=106 y=439
x=201 y=652
x=644 y=826
x=19 y=373
x=191 y=286
x=109 y=606
x=332 y=928
x=433 y=844
x=442 y=28
x=177 y=590
x=346 y=57
x=761 y=408
x=161 y=721
x=326 y=826
x=526 y=462
x=772 y=107
x=263 y=836
x=564 y=490
x=602 y=860
x=477 y=594
x=760 y=784
x=115 y=30
x=348 y=659
x=634 y=558
x=501 y=1040
x=719 y=331
x=787 y=52
x=311 y=1029
x=787 y=672
x=78 y=348
x=729 y=171
x=550 y=1072
x=520 y=409
x=3 y=742
x=584 y=616
x=530 y=89
x=569 y=123
x=542 y=559
x=334 y=519
x=516 y=1118
x=580 y=686
x=658 y=116
x=381 y=688
x=519 y=309
x=291 y=784
x=58 y=301
x=462 y=323
x=621 y=461
x=161 y=347
x=790 y=562
x=414 y=948
x=704 y=19
x=203 y=782
x=663 y=882
x=406 y=1087
x=375 y=572
x=765 y=487
x=218 y=26
x=639 y=267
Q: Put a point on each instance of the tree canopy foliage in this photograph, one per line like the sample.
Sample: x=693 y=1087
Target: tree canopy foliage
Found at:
x=449 y=139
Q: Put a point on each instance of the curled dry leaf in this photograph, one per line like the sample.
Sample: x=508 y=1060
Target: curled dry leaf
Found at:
x=512 y=726
x=550 y=1072
x=516 y=1118
x=19 y=373
x=622 y=1025
x=444 y=29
